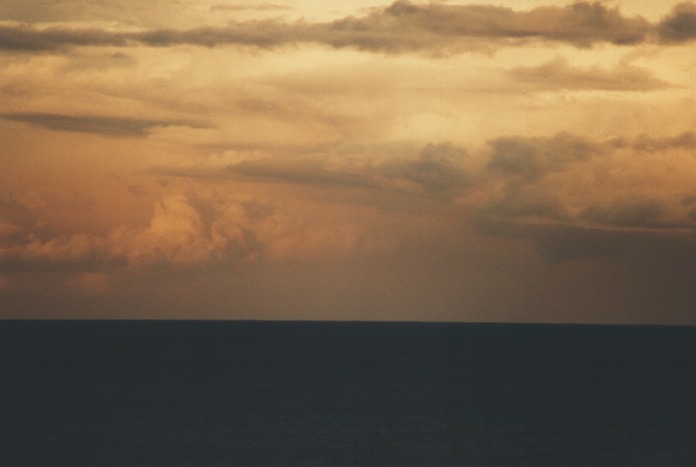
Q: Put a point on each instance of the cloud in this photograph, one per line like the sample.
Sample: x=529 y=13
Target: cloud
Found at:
x=437 y=169
x=578 y=198
x=680 y=25
x=646 y=143
x=398 y=28
x=581 y=24
x=22 y=37
x=303 y=172
x=179 y=235
x=559 y=242
x=574 y=180
x=558 y=74
x=188 y=232
x=72 y=253
x=520 y=202
x=626 y=213
x=95 y=124
x=265 y=34
x=533 y=157
x=252 y=7
x=569 y=195
x=571 y=179
x=9 y=231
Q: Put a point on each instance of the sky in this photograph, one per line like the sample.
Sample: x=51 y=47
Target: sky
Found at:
x=496 y=161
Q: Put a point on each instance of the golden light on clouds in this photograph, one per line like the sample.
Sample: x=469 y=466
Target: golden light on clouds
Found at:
x=488 y=161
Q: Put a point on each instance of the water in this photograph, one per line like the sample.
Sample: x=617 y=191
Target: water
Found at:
x=171 y=393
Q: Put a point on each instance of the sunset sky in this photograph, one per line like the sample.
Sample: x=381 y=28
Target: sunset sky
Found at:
x=517 y=161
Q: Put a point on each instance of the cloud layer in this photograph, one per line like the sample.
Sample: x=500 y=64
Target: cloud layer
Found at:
x=400 y=27
x=195 y=159
x=564 y=186
x=572 y=198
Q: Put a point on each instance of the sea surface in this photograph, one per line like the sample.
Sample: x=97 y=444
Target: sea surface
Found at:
x=212 y=393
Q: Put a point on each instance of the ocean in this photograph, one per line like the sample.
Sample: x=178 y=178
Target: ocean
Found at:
x=236 y=393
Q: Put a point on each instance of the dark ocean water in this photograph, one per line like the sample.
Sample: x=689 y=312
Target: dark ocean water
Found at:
x=178 y=393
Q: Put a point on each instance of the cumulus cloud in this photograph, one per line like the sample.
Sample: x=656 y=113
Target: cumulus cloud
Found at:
x=96 y=124
x=400 y=27
x=189 y=232
x=178 y=235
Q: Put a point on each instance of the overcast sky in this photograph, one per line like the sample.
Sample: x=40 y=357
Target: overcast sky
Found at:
x=516 y=161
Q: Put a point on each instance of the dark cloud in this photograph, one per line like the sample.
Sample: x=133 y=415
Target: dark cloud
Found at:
x=96 y=124
x=264 y=34
x=581 y=23
x=633 y=213
x=400 y=27
x=533 y=157
x=680 y=25
x=558 y=74
x=608 y=212
x=517 y=201
x=22 y=37
x=438 y=169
